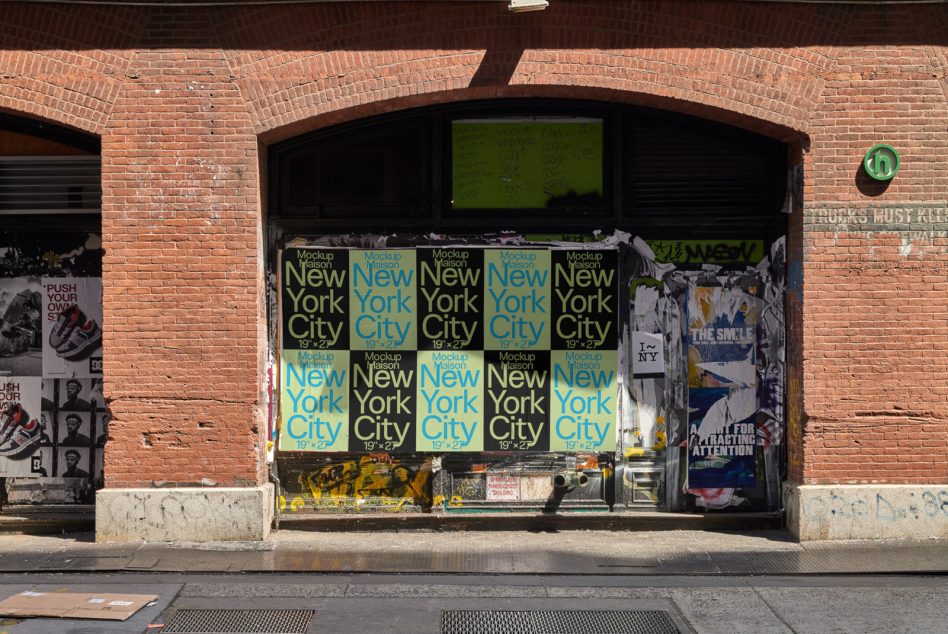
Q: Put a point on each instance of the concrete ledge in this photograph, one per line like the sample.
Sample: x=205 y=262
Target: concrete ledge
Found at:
x=866 y=511
x=521 y=521
x=184 y=515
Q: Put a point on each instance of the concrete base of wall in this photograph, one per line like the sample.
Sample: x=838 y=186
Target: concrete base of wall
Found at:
x=184 y=515
x=866 y=511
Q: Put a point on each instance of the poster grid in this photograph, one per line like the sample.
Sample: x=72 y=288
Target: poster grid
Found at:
x=448 y=349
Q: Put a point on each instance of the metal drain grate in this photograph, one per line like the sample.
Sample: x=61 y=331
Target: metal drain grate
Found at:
x=557 y=622
x=239 y=622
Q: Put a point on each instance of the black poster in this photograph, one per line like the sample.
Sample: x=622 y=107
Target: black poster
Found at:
x=315 y=299
x=382 y=401
x=584 y=300
x=517 y=401
x=450 y=299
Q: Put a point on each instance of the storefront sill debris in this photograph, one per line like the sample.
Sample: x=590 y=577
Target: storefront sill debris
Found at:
x=493 y=521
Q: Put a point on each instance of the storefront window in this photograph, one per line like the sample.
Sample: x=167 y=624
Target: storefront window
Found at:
x=570 y=326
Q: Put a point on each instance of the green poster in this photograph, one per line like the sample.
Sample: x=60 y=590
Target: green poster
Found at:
x=526 y=163
x=583 y=400
x=382 y=298
x=450 y=401
x=517 y=299
x=314 y=400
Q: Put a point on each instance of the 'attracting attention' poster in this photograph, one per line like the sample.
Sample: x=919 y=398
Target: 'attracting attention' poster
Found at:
x=722 y=387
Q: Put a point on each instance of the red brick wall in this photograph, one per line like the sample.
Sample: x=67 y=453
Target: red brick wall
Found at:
x=876 y=263
x=184 y=291
x=183 y=98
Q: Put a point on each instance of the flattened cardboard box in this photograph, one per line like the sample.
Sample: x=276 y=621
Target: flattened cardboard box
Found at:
x=75 y=605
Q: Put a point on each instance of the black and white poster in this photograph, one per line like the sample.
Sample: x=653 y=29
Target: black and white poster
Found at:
x=21 y=332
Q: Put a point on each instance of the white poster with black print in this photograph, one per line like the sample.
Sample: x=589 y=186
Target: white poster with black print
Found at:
x=36 y=464
x=79 y=395
x=72 y=327
x=41 y=463
x=21 y=331
x=74 y=466
x=74 y=462
x=21 y=431
x=74 y=429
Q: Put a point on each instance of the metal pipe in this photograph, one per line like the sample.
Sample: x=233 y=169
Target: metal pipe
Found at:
x=570 y=479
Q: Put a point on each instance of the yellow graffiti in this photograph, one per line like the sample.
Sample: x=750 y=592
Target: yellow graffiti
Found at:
x=377 y=478
x=639 y=449
x=456 y=501
x=660 y=438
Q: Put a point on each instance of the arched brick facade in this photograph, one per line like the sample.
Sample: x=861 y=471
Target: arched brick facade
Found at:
x=185 y=98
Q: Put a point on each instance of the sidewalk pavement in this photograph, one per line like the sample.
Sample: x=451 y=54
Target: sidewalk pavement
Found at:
x=752 y=582
x=579 y=552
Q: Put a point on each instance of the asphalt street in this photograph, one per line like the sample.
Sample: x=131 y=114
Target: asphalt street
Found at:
x=414 y=603
x=409 y=581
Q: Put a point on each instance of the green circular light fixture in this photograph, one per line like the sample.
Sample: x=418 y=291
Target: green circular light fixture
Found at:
x=881 y=162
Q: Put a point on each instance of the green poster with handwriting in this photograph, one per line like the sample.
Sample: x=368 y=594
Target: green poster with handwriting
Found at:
x=708 y=251
x=526 y=163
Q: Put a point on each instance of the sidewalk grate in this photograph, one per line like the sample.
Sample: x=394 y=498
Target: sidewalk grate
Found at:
x=557 y=622
x=190 y=621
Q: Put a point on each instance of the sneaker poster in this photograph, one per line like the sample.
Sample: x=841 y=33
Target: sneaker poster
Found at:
x=72 y=327
x=21 y=433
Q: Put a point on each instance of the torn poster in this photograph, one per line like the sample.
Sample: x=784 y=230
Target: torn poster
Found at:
x=722 y=387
